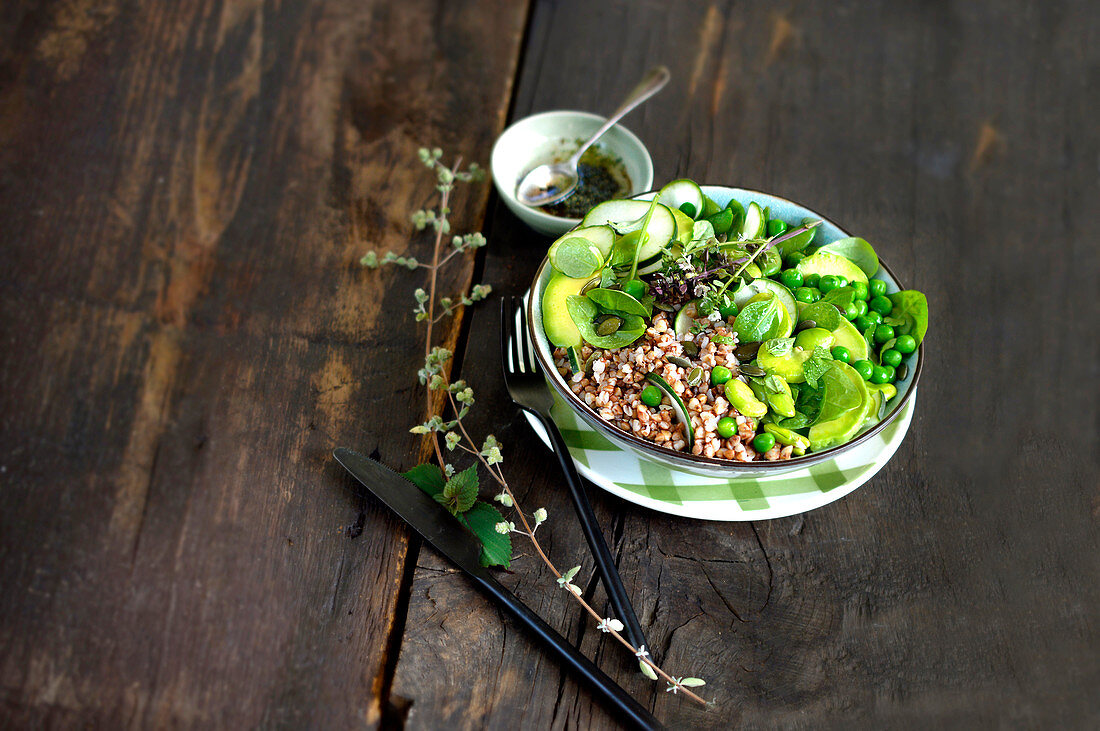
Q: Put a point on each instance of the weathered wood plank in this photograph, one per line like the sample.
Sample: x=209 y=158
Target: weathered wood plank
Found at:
x=186 y=189
x=960 y=586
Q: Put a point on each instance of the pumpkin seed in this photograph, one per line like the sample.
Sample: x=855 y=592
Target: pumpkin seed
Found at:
x=805 y=325
x=690 y=348
x=695 y=377
x=754 y=371
x=902 y=372
x=746 y=351
x=677 y=360
x=591 y=285
x=608 y=325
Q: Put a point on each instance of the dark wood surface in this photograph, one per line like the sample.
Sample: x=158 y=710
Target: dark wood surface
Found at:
x=185 y=191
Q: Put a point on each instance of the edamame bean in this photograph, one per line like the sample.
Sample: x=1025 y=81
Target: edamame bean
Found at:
x=744 y=400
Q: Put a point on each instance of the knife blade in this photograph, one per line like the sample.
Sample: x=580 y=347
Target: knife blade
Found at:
x=439 y=528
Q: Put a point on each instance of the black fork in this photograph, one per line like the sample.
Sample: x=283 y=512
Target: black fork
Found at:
x=528 y=390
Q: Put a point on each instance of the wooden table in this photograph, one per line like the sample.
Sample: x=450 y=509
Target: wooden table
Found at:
x=185 y=191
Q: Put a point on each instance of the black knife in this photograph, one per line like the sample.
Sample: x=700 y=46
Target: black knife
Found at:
x=439 y=528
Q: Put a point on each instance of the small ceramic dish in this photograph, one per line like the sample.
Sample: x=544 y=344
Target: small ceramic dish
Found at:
x=553 y=135
x=699 y=465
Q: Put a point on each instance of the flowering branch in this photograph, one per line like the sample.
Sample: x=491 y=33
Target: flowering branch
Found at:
x=458 y=491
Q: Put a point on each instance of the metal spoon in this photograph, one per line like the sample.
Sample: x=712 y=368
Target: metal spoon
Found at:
x=552 y=182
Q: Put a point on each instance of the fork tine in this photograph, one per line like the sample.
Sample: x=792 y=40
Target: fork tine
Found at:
x=528 y=347
x=505 y=312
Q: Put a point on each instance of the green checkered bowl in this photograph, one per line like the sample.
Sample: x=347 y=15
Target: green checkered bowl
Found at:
x=708 y=466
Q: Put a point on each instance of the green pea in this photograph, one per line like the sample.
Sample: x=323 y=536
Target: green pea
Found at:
x=842 y=354
x=876 y=288
x=815 y=293
x=811 y=280
x=791 y=279
x=861 y=307
x=906 y=344
x=828 y=283
x=804 y=294
x=880 y=375
x=793 y=258
x=776 y=227
x=882 y=305
x=635 y=288
x=860 y=289
x=891 y=373
x=883 y=333
x=727 y=427
x=763 y=442
x=864 y=368
x=862 y=322
x=874 y=317
x=651 y=396
x=841 y=281
x=891 y=357
x=851 y=312
x=719 y=375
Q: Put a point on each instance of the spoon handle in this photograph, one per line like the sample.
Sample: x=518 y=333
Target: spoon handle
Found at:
x=650 y=84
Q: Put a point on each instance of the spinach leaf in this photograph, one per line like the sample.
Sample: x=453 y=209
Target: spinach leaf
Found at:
x=618 y=302
x=823 y=313
x=840 y=298
x=840 y=395
x=856 y=250
x=912 y=307
x=756 y=319
x=583 y=311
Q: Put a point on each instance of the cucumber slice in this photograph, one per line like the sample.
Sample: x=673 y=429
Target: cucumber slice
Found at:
x=685 y=195
x=755 y=223
x=686 y=317
x=626 y=216
x=575 y=256
x=677 y=406
x=575 y=362
x=602 y=236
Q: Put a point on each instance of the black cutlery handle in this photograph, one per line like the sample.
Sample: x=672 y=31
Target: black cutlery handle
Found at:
x=605 y=563
x=622 y=706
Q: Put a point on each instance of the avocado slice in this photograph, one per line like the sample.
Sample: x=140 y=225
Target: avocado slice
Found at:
x=847 y=336
x=556 y=322
x=824 y=263
x=788 y=367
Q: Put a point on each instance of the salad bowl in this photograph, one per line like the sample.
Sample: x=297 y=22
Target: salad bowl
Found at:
x=828 y=232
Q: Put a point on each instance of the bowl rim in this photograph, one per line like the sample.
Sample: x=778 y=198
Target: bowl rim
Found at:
x=714 y=463
x=538 y=215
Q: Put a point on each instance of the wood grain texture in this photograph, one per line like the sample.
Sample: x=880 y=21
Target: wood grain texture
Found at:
x=960 y=587
x=186 y=189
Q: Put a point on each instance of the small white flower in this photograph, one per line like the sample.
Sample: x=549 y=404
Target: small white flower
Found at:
x=642 y=652
x=673 y=687
x=501 y=527
x=504 y=499
x=606 y=625
x=715 y=316
x=540 y=516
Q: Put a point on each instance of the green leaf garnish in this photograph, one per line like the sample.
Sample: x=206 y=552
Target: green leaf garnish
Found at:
x=481 y=520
